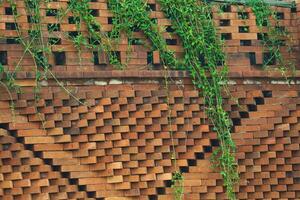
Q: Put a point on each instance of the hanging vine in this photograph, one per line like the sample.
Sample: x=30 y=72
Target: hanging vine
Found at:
x=99 y=40
x=35 y=46
x=273 y=37
x=192 y=21
x=132 y=15
x=204 y=57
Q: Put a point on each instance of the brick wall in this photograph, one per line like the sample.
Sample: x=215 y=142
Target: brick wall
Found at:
x=240 y=45
x=119 y=146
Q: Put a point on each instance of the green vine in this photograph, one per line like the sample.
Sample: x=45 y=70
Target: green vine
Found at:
x=177 y=185
x=272 y=35
x=130 y=15
x=99 y=40
x=204 y=57
x=192 y=21
x=35 y=46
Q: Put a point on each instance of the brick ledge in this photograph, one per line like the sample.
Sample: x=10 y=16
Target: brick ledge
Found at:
x=151 y=74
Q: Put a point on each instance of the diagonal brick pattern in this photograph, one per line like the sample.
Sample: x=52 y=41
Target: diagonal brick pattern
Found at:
x=119 y=146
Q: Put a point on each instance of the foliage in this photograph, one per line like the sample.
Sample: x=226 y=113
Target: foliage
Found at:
x=192 y=21
x=177 y=185
x=273 y=40
x=100 y=40
x=35 y=45
x=130 y=15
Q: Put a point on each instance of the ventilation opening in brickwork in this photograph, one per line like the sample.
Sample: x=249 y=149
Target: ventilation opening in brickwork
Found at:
x=54 y=41
x=59 y=58
x=244 y=29
x=224 y=22
x=100 y=58
x=94 y=12
x=73 y=20
x=280 y=15
x=8 y=11
x=171 y=41
x=269 y=58
x=10 y=26
x=110 y=20
x=152 y=6
x=116 y=55
x=32 y=19
x=51 y=12
x=3 y=57
x=252 y=57
x=12 y=41
x=245 y=42
x=135 y=41
x=169 y=29
x=226 y=8
x=226 y=36
x=243 y=15
x=53 y=27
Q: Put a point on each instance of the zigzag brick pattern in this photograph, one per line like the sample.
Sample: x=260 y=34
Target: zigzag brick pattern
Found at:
x=119 y=146
x=236 y=25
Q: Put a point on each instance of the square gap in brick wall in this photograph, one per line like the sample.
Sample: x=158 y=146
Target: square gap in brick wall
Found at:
x=51 y=12
x=225 y=8
x=160 y=190
x=152 y=197
x=59 y=58
x=261 y=36
x=10 y=26
x=100 y=58
x=12 y=41
x=252 y=57
x=269 y=58
x=110 y=20
x=32 y=20
x=267 y=93
x=151 y=6
x=94 y=12
x=117 y=55
x=169 y=29
x=171 y=41
x=135 y=41
x=225 y=22
x=73 y=34
x=243 y=15
x=95 y=41
x=280 y=15
x=53 y=27
x=54 y=41
x=73 y=20
x=8 y=11
x=3 y=57
x=245 y=42
x=244 y=29
x=226 y=36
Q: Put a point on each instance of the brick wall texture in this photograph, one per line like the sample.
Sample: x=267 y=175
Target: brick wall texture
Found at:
x=242 y=38
x=117 y=146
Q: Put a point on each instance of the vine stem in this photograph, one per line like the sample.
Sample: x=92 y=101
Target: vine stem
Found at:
x=11 y=100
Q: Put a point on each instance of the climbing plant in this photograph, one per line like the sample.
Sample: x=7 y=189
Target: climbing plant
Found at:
x=99 y=40
x=204 y=56
x=35 y=45
x=192 y=21
x=130 y=15
x=273 y=36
